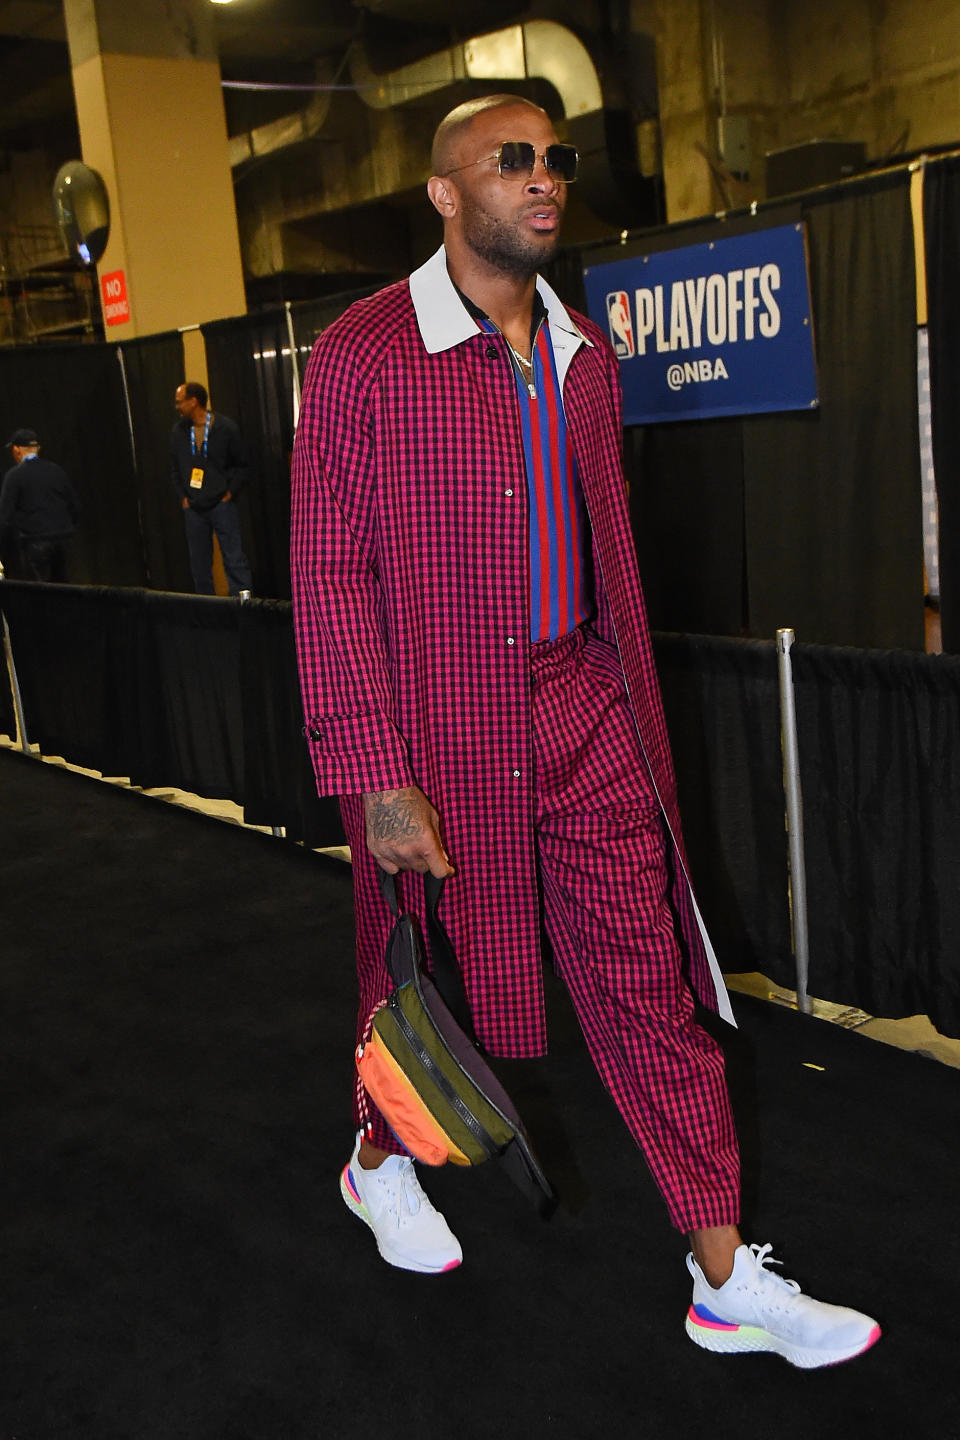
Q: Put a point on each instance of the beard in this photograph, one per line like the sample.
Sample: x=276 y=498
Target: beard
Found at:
x=502 y=245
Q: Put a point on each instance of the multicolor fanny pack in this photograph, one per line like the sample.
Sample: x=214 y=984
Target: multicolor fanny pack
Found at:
x=420 y=1064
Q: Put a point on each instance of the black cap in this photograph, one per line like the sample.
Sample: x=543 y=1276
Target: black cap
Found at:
x=23 y=437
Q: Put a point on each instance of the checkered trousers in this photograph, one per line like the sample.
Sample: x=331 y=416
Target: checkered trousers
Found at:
x=601 y=856
x=600 y=844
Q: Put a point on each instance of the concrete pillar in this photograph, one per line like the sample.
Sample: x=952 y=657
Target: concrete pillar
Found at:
x=687 y=109
x=150 y=111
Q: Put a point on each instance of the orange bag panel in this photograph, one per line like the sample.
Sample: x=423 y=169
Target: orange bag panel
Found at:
x=403 y=1109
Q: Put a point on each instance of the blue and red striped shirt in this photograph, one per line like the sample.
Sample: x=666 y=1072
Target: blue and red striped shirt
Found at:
x=560 y=584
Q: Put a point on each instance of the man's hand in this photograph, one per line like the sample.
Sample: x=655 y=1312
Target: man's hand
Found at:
x=184 y=503
x=403 y=832
x=225 y=498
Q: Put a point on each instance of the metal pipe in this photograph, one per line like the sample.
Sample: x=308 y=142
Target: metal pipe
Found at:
x=294 y=364
x=797 y=877
x=15 y=685
x=133 y=456
x=245 y=596
x=718 y=63
x=126 y=401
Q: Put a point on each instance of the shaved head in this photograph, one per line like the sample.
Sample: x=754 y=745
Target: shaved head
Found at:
x=453 y=128
x=495 y=225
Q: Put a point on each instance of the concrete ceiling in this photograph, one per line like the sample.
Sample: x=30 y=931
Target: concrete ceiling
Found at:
x=35 y=88
x=279 y=40
x=297 y=215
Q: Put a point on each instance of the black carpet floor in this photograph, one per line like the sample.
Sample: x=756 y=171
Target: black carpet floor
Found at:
x=177 y=1263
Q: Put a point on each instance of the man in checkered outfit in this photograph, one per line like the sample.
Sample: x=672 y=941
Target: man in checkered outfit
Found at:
x=480 y=693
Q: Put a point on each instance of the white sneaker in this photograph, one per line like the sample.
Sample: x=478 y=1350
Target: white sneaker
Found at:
x=758 y=1310
x=409 y=1232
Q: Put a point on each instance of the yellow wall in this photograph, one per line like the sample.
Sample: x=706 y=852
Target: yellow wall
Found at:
x=155 y=130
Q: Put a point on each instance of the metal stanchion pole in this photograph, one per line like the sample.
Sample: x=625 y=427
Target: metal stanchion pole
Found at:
x=15 y=685
x=277 y=830
x=133 y=457
x=294 y=364
x=791 y=784
x=129 y=408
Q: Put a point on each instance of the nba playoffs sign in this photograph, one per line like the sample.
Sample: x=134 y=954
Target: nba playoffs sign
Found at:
x=716 y=329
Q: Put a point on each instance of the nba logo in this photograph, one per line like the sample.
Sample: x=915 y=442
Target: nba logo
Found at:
x=621 y=326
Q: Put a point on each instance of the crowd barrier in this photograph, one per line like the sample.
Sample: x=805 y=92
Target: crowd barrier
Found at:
x=201 y=694
x=189 y=691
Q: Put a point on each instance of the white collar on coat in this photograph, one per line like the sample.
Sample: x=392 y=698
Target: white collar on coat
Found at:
x=444 y=320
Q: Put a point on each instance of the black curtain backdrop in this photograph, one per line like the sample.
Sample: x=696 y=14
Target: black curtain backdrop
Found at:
x=75 y=649
x=249 y=369
x=72 y=396
x=809 y=520
x=8 y=721
x=188 y=666
x=154 y=368
x=879 y=742
x=941 y=218
x=565 y=274
x=189 y=691
x=722 y=706
x=834 y=541
x=879 y=746
x=279 y=783
x=132 y=683
x=686 y=496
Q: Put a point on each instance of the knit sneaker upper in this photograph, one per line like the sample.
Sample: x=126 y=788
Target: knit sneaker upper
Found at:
x=756 y=1299
x=409 y=1232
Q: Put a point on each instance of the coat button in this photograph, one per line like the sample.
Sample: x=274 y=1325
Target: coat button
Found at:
x=508 y=493
x=510 y=640
x=516 y=774
x=313 y=732
x=492 y=352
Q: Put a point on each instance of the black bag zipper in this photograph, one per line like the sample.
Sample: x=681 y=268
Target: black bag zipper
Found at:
x=486 y=1141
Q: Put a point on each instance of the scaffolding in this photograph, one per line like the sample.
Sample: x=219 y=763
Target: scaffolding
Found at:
x=44 y=294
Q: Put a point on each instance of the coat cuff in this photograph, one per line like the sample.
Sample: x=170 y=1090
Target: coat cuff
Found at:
x=357 y=755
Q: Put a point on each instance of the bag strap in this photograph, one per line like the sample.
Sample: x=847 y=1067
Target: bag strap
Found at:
x=517 y=1159
x=444 y=969
x=520 y=1163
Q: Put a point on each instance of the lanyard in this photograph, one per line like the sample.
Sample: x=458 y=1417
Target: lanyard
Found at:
x=206 y=436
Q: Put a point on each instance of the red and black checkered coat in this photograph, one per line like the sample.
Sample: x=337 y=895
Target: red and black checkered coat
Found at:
x=411 y=601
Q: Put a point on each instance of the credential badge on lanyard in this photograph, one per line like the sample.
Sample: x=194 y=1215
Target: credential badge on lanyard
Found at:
x=196 y=474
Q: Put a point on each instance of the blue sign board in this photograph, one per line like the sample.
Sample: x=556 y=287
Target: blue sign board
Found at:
x=722 y=328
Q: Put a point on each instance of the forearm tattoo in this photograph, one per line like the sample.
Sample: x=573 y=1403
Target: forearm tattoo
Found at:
x=389 y=816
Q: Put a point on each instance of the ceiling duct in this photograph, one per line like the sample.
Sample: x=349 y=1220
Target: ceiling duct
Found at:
x=539 y=50
x=278 y=134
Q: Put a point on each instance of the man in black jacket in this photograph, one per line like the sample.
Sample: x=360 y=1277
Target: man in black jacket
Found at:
x=208 y=467
x=38 y=506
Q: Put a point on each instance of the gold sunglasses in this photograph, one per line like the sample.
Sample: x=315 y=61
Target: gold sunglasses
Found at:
x=517 y=160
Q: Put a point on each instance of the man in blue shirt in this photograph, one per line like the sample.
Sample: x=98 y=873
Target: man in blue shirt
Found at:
x=208 y=468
